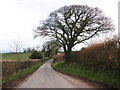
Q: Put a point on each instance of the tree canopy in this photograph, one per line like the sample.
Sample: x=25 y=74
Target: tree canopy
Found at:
x=74 y=24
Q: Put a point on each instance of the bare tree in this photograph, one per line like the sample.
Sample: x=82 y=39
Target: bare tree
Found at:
x=16 y=47
x=38 y=47
x=74 y=24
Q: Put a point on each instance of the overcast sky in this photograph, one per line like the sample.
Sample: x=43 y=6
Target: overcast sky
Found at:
x=18 y=18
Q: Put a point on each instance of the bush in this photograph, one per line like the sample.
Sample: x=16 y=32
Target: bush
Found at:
x=101 y=57
x=36 y=55
x=10 y=67
x=58 y=58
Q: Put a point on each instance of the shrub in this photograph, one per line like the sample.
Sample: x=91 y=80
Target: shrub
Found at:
x=10 y=67
x=36 y=55
x=101 y=57
x=58 y=58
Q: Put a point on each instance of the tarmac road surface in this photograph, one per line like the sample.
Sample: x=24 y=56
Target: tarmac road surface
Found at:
x=46 y=77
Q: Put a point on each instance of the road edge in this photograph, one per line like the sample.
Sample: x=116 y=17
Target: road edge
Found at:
x=104 y=85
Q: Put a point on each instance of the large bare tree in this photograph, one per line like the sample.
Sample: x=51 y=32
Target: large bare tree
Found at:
x=74 y=24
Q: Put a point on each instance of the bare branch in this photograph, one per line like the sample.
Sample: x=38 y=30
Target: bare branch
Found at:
x=74 y=24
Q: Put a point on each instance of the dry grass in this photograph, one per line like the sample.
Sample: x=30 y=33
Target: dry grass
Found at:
x=102 y=56
x=99 y=62
x=58 y=57
x=11 y=67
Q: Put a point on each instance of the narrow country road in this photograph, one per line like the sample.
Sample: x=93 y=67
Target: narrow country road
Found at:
x=46 y=77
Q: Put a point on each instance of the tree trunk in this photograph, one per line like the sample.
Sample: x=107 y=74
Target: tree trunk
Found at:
x=68 y=57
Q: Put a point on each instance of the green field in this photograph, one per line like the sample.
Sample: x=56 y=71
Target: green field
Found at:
x=15 y=56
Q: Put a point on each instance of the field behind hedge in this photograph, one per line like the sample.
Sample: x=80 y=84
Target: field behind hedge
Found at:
x=15 y=56
x=13 y=63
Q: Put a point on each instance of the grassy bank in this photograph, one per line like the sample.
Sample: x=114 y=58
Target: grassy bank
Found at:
x=15 y=56
x=76 y=70
x=22 y=73
x=98 y=61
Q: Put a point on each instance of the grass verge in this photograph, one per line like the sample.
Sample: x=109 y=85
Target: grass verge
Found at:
x=76 y=70
x=22 y=73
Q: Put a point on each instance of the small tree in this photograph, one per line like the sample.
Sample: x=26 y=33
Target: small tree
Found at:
x=74 y=24
x=17 y=47
x=36 y=55
x=51 y=47
x=28 y=49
